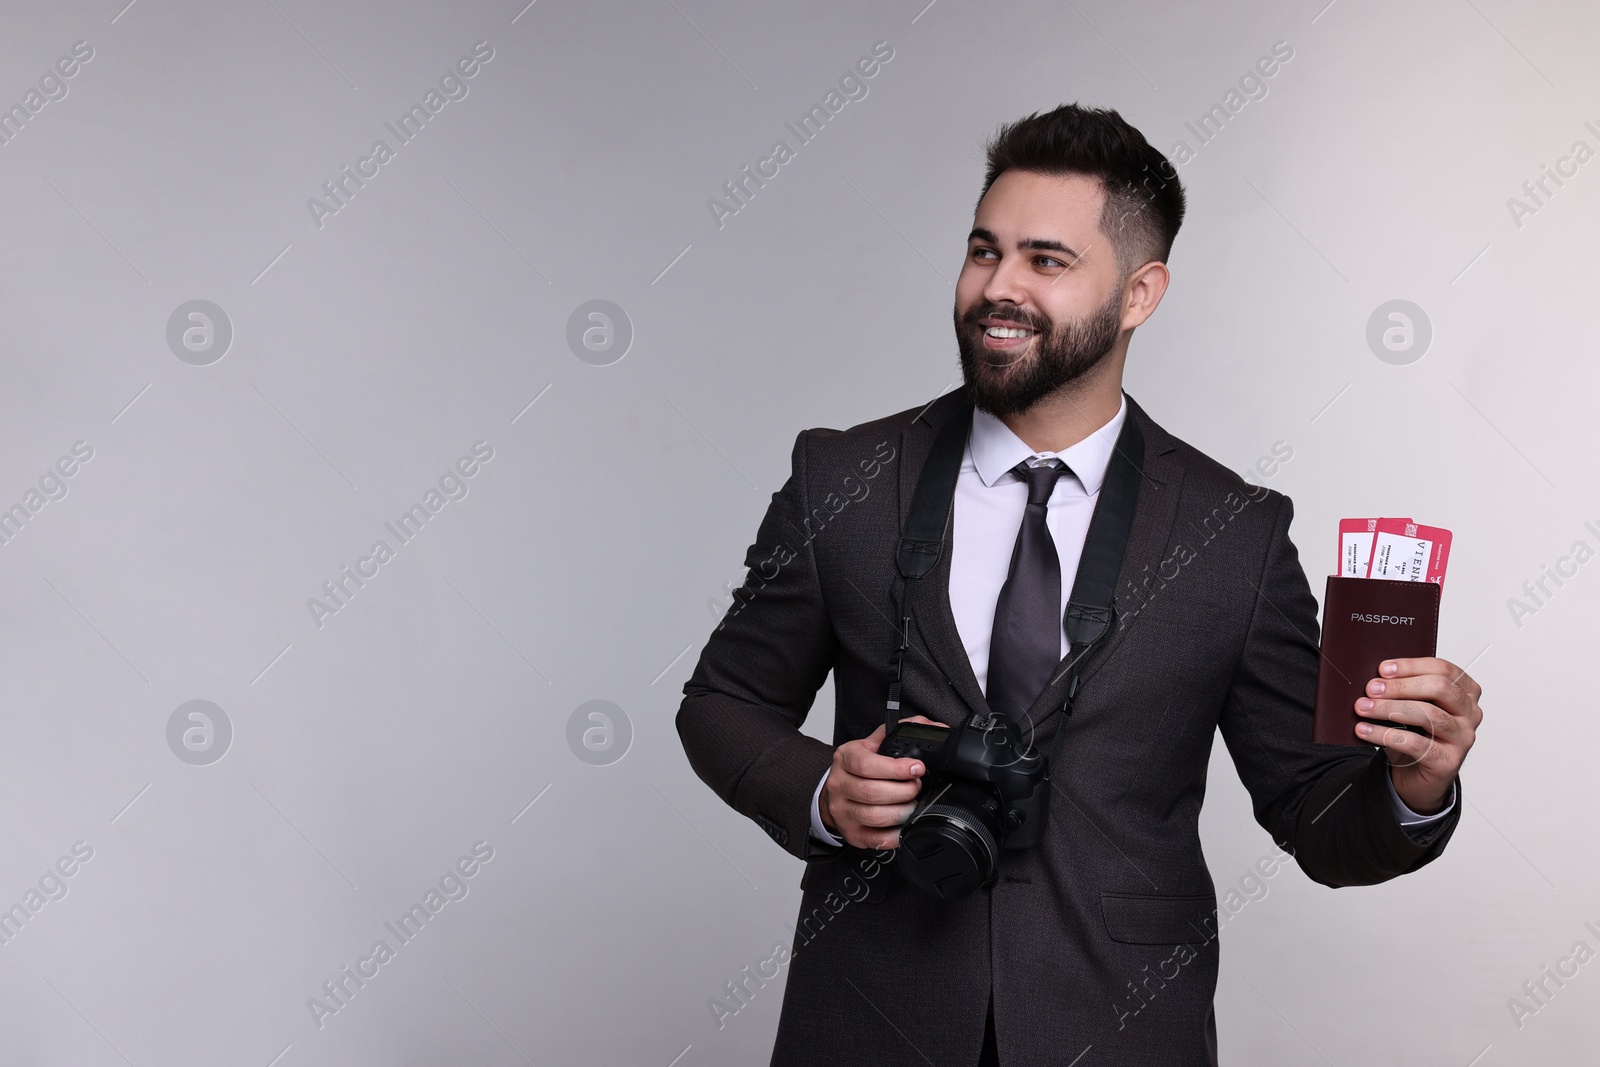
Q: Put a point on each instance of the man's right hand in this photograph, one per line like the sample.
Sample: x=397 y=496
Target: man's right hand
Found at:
x=867 y=796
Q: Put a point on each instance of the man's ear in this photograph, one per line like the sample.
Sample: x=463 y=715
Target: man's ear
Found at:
x=1142 y=293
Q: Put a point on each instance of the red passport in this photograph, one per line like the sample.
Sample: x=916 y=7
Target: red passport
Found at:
x=1364 y=622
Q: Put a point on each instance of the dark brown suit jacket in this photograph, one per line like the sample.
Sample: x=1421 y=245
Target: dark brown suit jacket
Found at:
x=1103 y=937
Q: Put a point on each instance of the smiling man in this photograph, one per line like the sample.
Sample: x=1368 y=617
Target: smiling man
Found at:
x=968 y=586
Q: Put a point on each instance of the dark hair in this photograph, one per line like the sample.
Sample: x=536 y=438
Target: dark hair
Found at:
x=1144 y=199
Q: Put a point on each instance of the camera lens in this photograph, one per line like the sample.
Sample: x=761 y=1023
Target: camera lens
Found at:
x=949 y=848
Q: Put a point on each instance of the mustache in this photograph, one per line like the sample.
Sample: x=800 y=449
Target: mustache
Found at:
x=1037 y=323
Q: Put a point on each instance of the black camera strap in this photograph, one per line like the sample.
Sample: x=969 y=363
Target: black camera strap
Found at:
x=1090 y=606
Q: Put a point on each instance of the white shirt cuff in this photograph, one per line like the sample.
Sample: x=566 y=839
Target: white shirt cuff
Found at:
x=1406 y=816
x=819 y=831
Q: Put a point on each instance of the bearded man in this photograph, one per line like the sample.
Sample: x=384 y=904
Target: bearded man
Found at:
x=943 y=564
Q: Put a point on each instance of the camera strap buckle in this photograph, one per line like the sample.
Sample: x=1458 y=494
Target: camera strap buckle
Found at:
x=891 y=711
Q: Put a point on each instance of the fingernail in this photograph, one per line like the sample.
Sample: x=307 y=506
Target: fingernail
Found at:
x=1364 y=704
x=1376 y=687
x=1389 y=667
x=1364 y=729
x=916 y=768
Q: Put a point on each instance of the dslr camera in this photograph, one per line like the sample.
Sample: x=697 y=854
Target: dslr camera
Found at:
x=983 y=791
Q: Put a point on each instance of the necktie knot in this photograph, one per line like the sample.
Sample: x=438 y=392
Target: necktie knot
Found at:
x=1041 y=479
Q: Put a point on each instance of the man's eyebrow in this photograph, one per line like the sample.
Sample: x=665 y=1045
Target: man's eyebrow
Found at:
x=1040 y=244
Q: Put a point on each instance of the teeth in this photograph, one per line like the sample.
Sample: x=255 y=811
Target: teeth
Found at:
x=1006 y=331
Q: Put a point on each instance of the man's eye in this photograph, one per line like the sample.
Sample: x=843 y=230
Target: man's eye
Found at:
x=980 y=253
x=1049 y=261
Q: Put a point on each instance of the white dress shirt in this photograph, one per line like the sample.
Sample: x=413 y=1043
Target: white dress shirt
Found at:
x=989 y=503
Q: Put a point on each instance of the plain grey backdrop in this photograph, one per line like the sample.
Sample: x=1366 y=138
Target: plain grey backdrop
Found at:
x=182 y=479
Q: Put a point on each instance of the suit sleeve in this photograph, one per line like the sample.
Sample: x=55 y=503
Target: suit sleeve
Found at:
x=759 y=674
x=1330 y=806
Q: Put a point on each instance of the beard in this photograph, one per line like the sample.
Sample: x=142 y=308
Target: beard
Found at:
x=1009 y=383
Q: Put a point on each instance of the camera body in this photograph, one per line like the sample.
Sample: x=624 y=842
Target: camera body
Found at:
x=984 y=791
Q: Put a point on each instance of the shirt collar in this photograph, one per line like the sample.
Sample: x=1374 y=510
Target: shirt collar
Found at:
x=995 y=449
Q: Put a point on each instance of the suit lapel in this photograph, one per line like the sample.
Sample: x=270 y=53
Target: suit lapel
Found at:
x=928 y=604
x=927 y=599
x=1154 y=517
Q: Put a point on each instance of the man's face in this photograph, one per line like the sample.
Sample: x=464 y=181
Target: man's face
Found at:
x=1039 y=302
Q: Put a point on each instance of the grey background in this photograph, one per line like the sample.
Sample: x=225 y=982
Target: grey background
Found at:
x=590 y=556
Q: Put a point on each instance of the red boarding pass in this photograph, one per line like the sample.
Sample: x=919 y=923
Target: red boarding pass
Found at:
x=1356 y=538
x=1403 y=551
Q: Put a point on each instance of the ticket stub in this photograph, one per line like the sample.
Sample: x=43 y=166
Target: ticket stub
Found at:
x=1356 y=539
x=1403 y=551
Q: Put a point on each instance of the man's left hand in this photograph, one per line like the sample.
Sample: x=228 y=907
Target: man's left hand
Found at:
x=1440 y=698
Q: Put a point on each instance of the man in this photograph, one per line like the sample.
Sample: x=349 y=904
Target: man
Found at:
x=1100 y=942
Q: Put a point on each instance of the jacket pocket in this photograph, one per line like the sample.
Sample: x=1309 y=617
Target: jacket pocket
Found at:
x=1145 y=920
x=852 y=873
